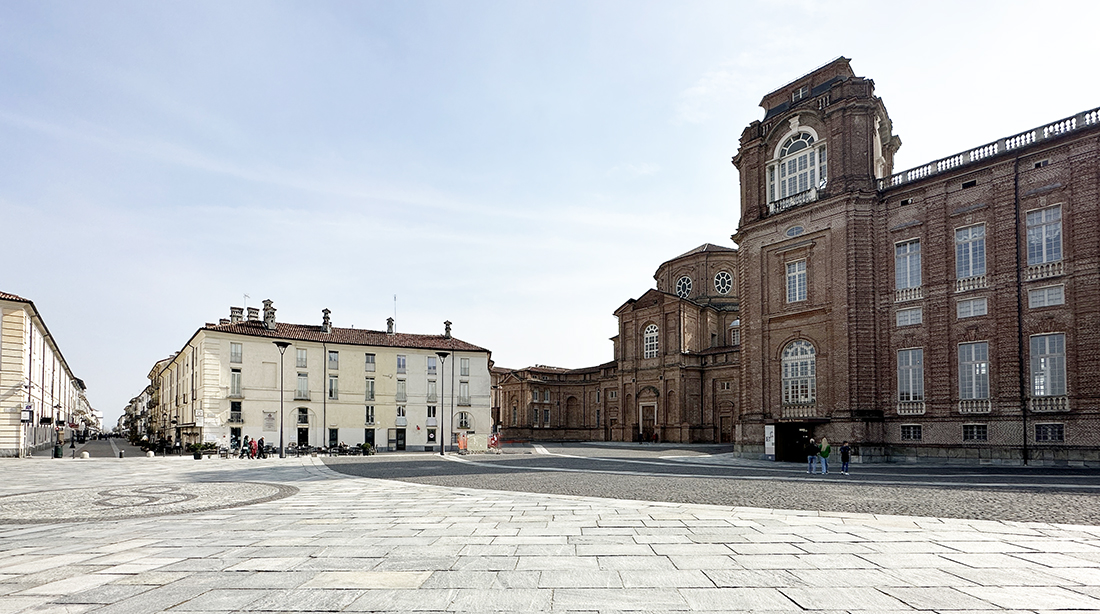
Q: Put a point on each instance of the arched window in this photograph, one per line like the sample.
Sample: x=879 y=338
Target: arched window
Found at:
x=799 y=373
x=463 y=420
x=799 y=166
x=649 y=342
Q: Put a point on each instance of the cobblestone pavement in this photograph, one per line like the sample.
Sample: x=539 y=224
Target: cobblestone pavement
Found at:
x=344 y=543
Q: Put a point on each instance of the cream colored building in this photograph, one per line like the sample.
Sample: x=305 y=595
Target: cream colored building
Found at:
x=41 y=401
x=339 y=385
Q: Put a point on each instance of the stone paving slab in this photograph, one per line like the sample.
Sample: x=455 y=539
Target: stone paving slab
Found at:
x=334 y=543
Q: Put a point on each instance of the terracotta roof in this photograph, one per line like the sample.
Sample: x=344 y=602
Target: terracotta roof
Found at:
x=11 y=297
x=346 y=336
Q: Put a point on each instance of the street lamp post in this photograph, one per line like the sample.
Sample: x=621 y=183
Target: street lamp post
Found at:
x=443 y=360
x=282 y=345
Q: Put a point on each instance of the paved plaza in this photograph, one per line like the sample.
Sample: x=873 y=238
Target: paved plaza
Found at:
x=141 y=535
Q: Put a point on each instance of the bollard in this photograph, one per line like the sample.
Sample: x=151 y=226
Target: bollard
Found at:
x=85 y=454
x=122 y=453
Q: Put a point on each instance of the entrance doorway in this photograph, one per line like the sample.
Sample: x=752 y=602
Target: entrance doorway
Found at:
x=400 y=439
x=649 y=420
x=368 y=436
x=725 y=433
x=303 y=437
x=791 y=439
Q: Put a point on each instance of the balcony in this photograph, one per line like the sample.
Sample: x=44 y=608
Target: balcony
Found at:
x=431 y=398
x=800 y=410
x=910 y=408
x=401 y=421
x=971 y=283
x=974 y=406
x=1044 y=270
x=1048 y=404
x=432 y=422
x=908 y=294
x=301 y=395
x=790 y=202
x=235 y=418
x=401 y=397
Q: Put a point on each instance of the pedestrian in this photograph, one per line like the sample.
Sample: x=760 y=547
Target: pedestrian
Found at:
x=812 y=450
x=252 y=449
x=263 y=450
x=845 y=457
x=244 y=448
x=823 y=456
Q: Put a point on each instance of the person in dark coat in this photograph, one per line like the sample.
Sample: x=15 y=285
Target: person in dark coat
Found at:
x=812 y=450
x=244 y=448
x=845 y=457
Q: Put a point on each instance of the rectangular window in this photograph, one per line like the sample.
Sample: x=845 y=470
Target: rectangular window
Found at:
x=534 y=416
x=402 y=391
x=235 y=353
x=401 y=363
x=333 y=359
x=974 y=370
x=971 y=308
x=910 y=317
x=911 y=375
x=432 y=364
x=301 y=361
x=1044 y=235
x=800 y=93
x=303 y=415
x=970 y=251
x=534 y=396
x=301 y=392
x=515 y=416
x=546 y=417
x=464 y=367
x=400 y=412
x=612 y=394
x=431 y=391
x=907 y=265
x=431 y=411
x=1050 y=432
x=545 y=396
x=370 y=389
x=235 y=414
x=370 y=414
x=333 y=387
x=370 y=363
x=1048 y=365
x=235 y=383
x=975 y=432
x=1046 y=297
x=597 y=395
x=911 y=432
x=464 y=393
x=796 y=281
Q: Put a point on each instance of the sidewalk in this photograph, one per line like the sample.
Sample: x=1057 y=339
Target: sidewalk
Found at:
x=351 y=544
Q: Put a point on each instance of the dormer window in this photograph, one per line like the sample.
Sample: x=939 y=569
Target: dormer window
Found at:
x=800 y=93
x=800 y=166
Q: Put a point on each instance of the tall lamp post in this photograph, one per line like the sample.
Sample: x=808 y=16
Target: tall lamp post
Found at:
x=443 y=360
x=282 y=345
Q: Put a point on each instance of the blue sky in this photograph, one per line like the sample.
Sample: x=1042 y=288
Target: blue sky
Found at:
x=519 y=168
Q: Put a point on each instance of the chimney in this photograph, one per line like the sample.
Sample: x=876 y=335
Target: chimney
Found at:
x=389 y=326
x=326 y=324
x=447 y=329
x=253 y=314
x=269 y=315
x=235 y=314
x=223 y=321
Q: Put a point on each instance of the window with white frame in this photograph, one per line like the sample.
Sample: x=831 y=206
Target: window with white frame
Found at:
x=369 y=363
x=546 y=417
x=1044 y=235
x=235 y=383
x=333 y=387
x=464 y=367
x=301 y=358
x=370 y=388
x=464 y=393
x=402 y=391
x=907 y=264
x=333 y=359
x=302 y=389
x=910 y=317
x=431 y=391
x=649 y=341
x=799 y=167
x=431 y=411
x=402 y=363
x=974 y=370
x=400 y=411
x=236 y=353
x=796 y=281
x=911 y=375
x=370 y=414
x=546 y=395
x=534 y=396
x=975 y=432
x=735 y=332
x=463 y=420
x=799 y=373
x=970 y=251
x=971 y=308
x=1048 y=296
x=911 y=432
x=1050 y=432
x=303 y=415
x=432 y=365
x=723 y=282
x=1048 y=365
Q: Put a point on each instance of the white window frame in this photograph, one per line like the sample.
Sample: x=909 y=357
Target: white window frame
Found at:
x=369 y=414
x=799 y=165
x=974 y=370
x=464 y=367
x=1047 y=296
x=301 y=358
x=1048 y=365
x=300 y=391
x=235 y=383
x=432 y=365
x=651 y=341
x=368 y=362
x=402 y=393
x=369 y=385
x=462 y=420
x=971 y=308
x=402 y=363
x=910 y=375
x=913 y=316
x=333 y=387
x=236 y=353
x=907 y=265
x=1044 y=235
x=970 y=251
x=334 y=360
x=796 y=281
x=799 y=373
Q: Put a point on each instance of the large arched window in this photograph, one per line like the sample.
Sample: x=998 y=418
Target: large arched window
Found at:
x=799 y=166
x=650 y=344
x=799 y=373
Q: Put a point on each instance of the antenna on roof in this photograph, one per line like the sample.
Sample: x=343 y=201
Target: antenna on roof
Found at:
x=395 y=308
x=246 y=297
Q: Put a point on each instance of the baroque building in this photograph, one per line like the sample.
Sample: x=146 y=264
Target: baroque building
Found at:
x=396 y=391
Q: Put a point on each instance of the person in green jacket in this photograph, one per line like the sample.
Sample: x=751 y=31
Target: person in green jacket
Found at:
x=824 y=455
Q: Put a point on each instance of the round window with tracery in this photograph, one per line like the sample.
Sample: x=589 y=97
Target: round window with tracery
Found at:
x=723 y=282
x=683 y=287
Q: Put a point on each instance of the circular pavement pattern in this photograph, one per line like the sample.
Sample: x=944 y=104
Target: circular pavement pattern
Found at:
x=120 y=502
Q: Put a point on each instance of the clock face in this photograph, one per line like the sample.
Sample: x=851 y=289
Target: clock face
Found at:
x=683 y=287
x=723 y=282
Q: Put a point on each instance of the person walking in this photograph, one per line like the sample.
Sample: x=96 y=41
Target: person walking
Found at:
x=823 y=455
x=845 y=457
x=262 y=449
x=252 y=449
x=244 y=448
x=812 y=450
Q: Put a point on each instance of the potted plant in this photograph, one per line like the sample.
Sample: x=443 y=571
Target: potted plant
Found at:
x=196 y=450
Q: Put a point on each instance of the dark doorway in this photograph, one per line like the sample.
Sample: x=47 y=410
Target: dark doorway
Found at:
x=400 y=439
x=303 y=436
x=235 y=437
x=790 y=441
x=333 y=437
x=725 y=430
x=368 y=436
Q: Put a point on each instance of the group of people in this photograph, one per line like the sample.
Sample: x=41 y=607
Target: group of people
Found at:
x=819 y=453
x=253 y=448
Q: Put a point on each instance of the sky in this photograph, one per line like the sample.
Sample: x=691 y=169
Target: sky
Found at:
x=518 y=168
